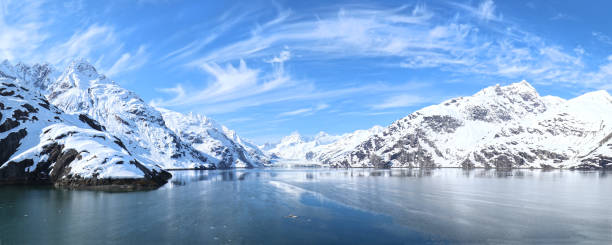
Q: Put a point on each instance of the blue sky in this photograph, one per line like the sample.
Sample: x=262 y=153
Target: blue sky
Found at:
x=268 y=68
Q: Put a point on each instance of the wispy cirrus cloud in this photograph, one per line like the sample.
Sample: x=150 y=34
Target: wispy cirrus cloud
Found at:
x=28 y=36
x=414 y=37
x=305 y=111
x=483 y=11
x=468 y=40
x=129 y=61
x=602 y=37
x=231 y=83
x=403 y=100
x=21 y=30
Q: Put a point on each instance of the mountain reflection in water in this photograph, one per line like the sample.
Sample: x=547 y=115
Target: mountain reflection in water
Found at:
x=322 y=206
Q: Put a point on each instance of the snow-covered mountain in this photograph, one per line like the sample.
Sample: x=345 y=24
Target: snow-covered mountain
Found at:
x=41 y=144
x=338 y=149
x=500 y=126
x=575 y=133
x=322 y=148
x=298 y=147
x=80 y=89
x=214 y=139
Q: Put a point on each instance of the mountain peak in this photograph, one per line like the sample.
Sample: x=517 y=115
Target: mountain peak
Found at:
x=82 y=66
x=321 y=134
x=80 y=74
x=294 y=137
x=6 y=69
x=521 y=88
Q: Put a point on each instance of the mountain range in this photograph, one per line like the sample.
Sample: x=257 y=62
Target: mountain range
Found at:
x=76 y=127
x=158 y=138
x=499 y=127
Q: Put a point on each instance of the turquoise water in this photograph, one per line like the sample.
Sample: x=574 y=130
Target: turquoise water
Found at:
x=322 y=206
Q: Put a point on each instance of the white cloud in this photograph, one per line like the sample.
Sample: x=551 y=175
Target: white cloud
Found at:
x=28 y=36
x=602 y=77
x=102 y=44
x=293 y=91
x=128 y=62
x=305 y=111
x=296 y=112
x=404 y=100
x=357 y=31
x=602 y=37
x=412 y=37
x=562 y=16
x=21 y=30
x=486 y=10
x=283 y=57
x=231 y=84
x=226 y=21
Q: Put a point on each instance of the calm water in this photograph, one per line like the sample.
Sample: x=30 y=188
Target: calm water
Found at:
x=321 y=206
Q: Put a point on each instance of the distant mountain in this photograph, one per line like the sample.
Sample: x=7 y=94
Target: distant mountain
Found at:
x=80 y=89
x=40 y=144
x=322 y=148
x=500 y=127
x=215 y=140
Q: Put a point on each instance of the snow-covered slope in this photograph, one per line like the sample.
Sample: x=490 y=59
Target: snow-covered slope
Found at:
x=213 y=139
x=500 y=126
x=573 y=134
x=338 y=149
x=41 y=144
x=80 y=89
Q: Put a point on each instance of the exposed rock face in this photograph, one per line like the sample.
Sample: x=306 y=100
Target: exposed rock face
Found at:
x=498 y=127
x=40 y=144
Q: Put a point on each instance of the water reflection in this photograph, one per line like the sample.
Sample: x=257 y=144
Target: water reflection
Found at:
x=182 y=178
x=322 y=206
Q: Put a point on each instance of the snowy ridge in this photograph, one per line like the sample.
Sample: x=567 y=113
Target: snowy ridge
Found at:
x=500 y=126
x=339 y=148
x=214 y=139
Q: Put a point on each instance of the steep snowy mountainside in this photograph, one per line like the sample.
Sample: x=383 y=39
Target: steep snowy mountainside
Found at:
x=574 y=134
x=41 y=144
x=81 y=89
x=444 y=134
x=329 y=153
x=214 y=139
x=258 y=156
